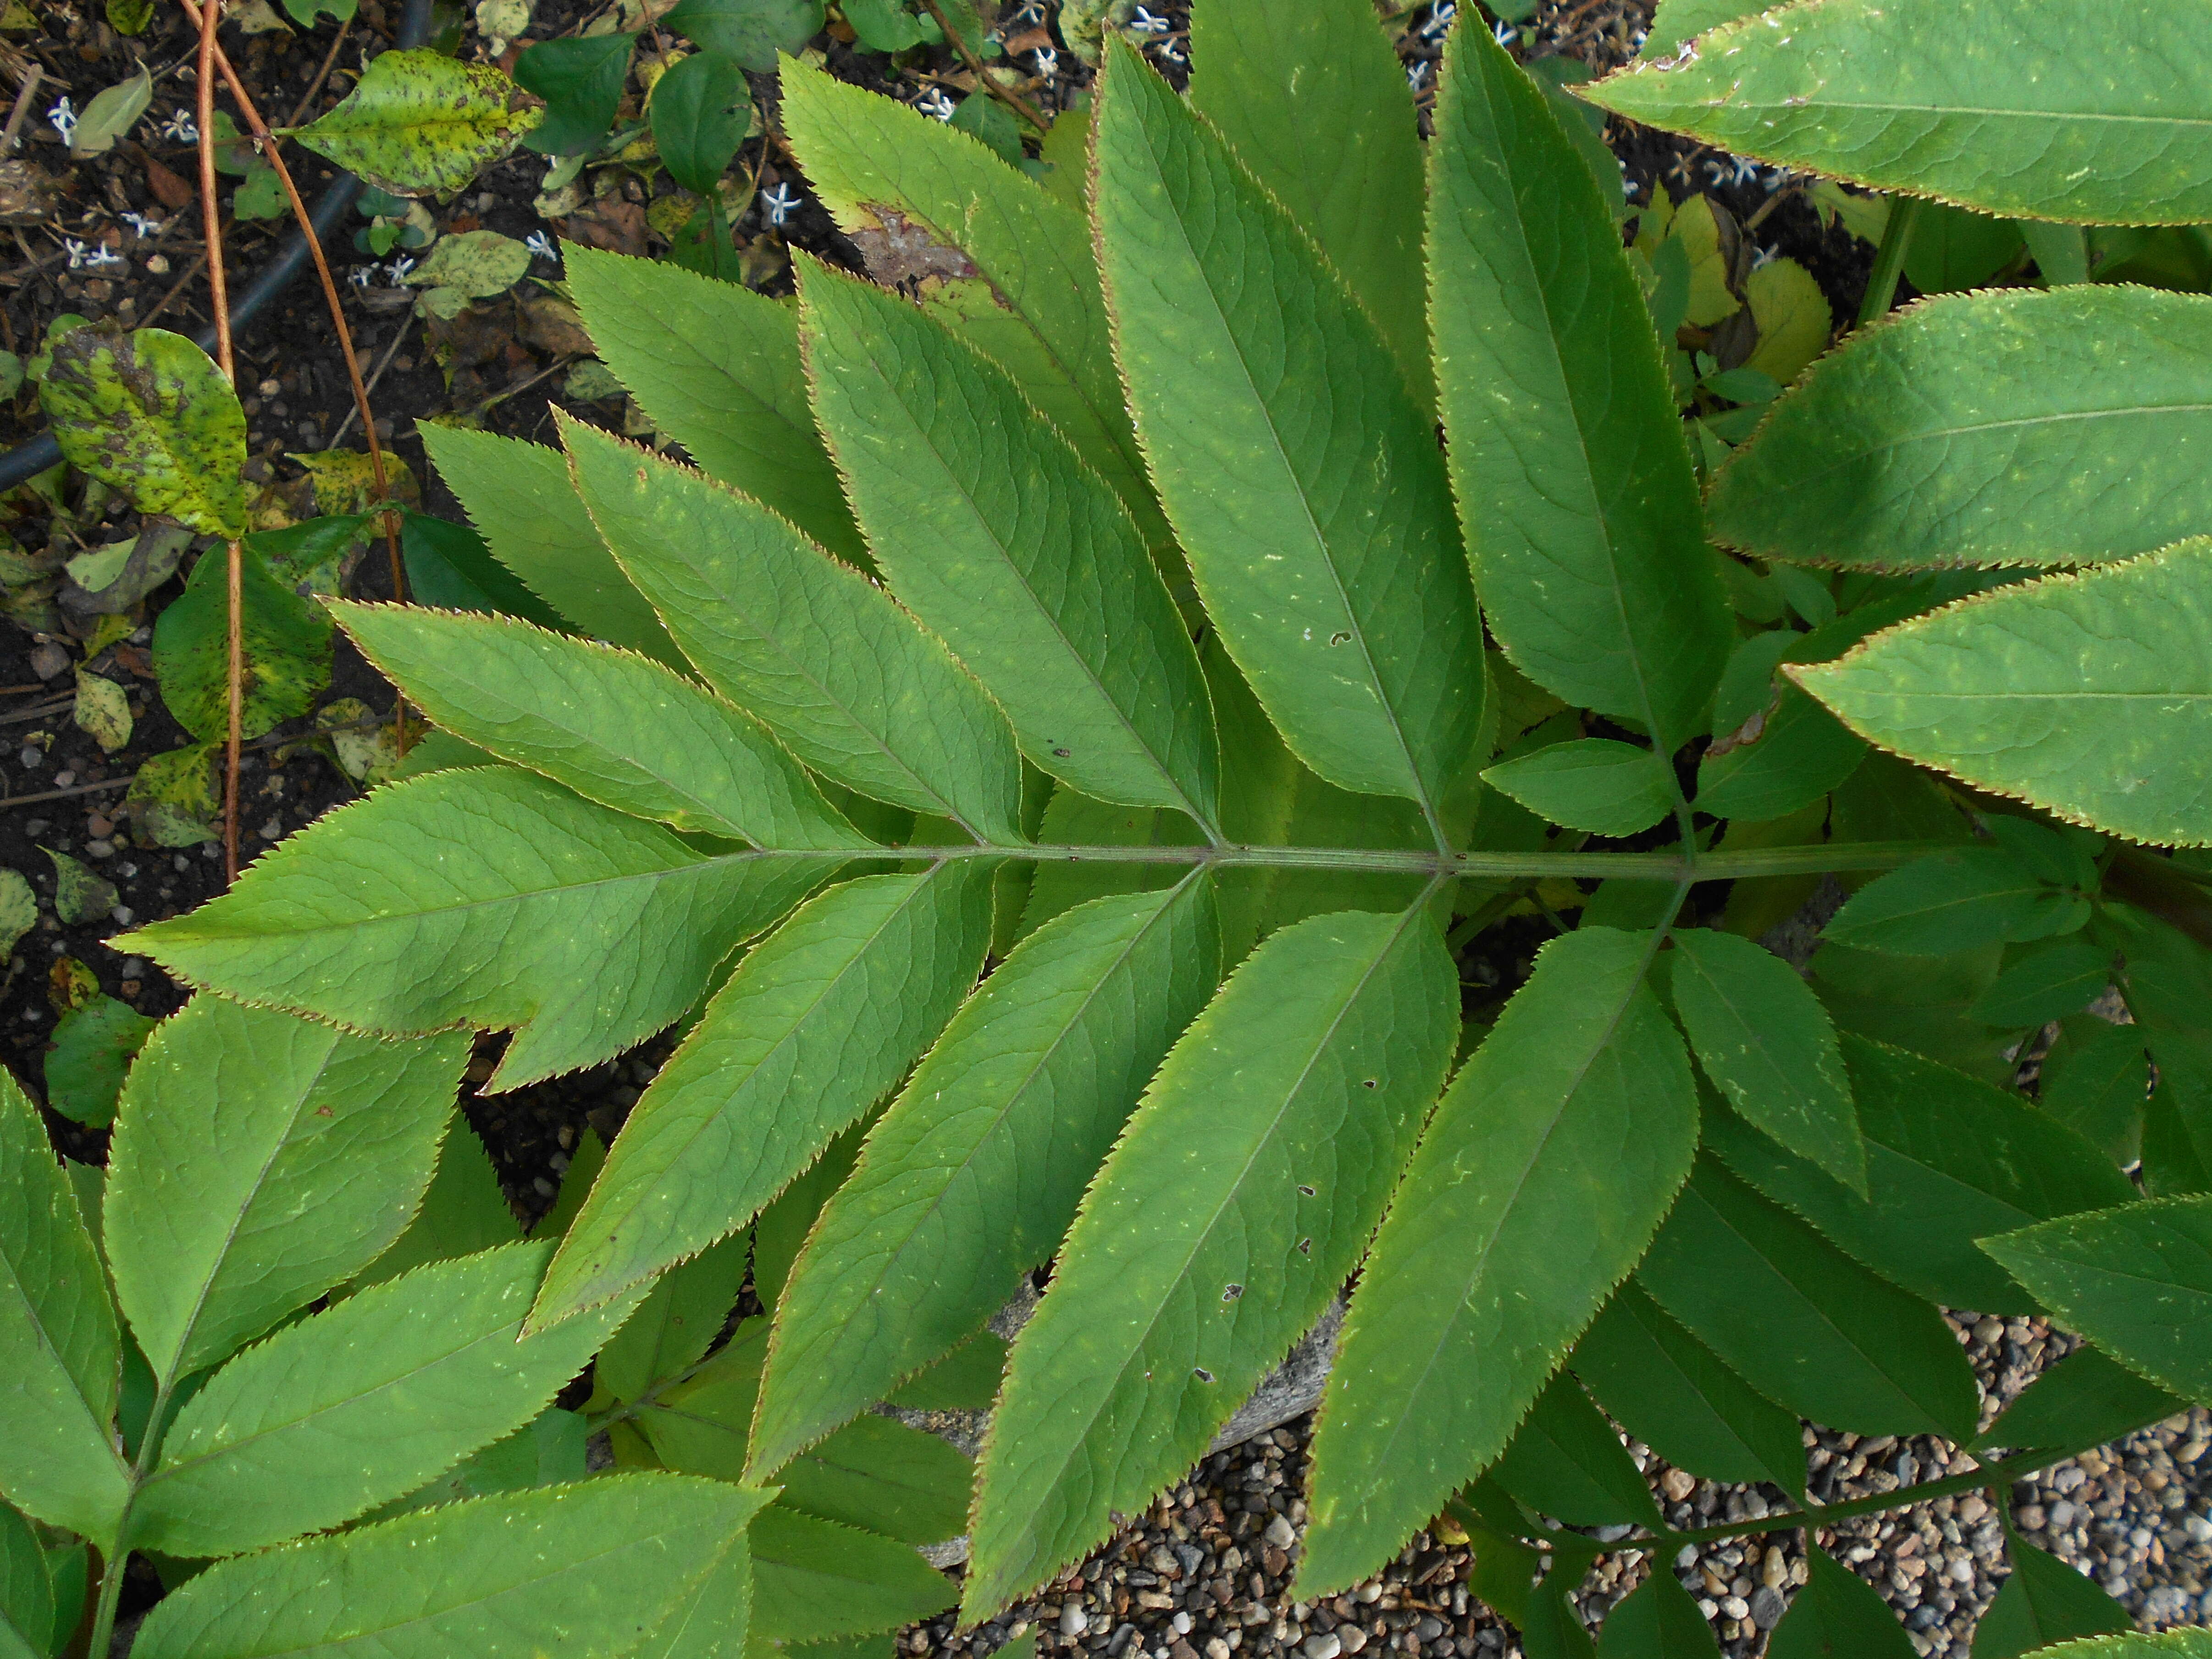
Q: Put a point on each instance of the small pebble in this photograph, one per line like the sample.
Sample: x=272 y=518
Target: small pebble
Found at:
x=48 y=660
x=1280 y=1533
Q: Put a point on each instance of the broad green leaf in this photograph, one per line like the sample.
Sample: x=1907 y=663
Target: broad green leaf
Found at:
x=1230 y=1210
x=1565 y=1461
x=148 y=412
x=419 y=122
x=2048 y=980
x=93 y=1047
x=1301 y=474
x=996 y=260
x=2095 y=1080
x=1921 y=1003
x=584 y=930
x=26 y=1591
x=1658 y=1620
x=677 y=1323
x=1949 y=1160
x=967 y=1379
x=2012 y=428
x=2136 y=1280
x=1763 y=1038
x=359 y=1404
x=806 y=644
x=754 y=32
x=716 y=366
x=989 y=526
x=1553 y=1628
x=814 y=1578
x=61 y=1362
x=576 y=1570
x=2061 y=118
x=1838 y=1615
x=1675 y=1394
x=581 y=78
x=553 y=1446
x=521 y=500
x=617 y=728
x=1597 y=784
x=2085 y=1399
x=1953 y=249
x=2045 y=1602
x=451 y=566
x=1573 y=479
x=2171 y=1645
x=258 y=1161
x=1801 y=753
x=1675 y=22
x=1314 y=101
x=1537 y=1186
x=286 y=641
x=974 y=1174
x=463 y=1212
x=1800 y=1321
x=2076 y=694
x=1952 y=902
x=884 y=1477
x=818 y=1022
x=712 y=1619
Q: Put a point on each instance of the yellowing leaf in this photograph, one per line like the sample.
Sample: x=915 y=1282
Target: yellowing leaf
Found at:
x=149 y=413
x=421 y=122
x=1792 y=315
x=103 y=708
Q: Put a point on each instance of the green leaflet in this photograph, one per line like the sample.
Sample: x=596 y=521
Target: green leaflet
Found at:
x=93 y=1047
x=1763 y=1038
x=519 y=498
x=585 y=930
x=1313 y=100
x=286 y=642
x=1803 y=1323
x=2043 y=1603
x=677 y=1323
x=1658 y=1620
x=1952 y=902
x=1573 y=480
x=60 y=1352
x=809 y=646
x=463 y=1212
x=2136 y=1280
x=1803 y=753
x=26 y=1593
x=976 y=1169
x=1300 y=475
x=1838 y=1615
x=149 y=413
x=993 y=256
x=2046 y=981
x=2012 y=428
x=616 y=728
x=1674 y=21
x=699 y=119
x=2089 y=694
x=815 y=1578
x=717 y=368
x=451 y=566
x=712 y=1619
x=989 y=526
x=2085 y=1397
x=550 y=1448
x=362 y=1403
x=1597 y=784
x=2028 y=107
x=883 y=1476
x=258 y=1161
x=1676 y=1395
x=1537 y=1185
x=754 y=32
x=818 y=1021
x=2171 y=1645
x=1233 y=1206
x=1058 y=885
x=1565 y=1461
x=1949 y=1160
x=419 y=122
x=575 y=1570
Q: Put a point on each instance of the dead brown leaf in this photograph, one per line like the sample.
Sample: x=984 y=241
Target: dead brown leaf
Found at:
x=612 y=223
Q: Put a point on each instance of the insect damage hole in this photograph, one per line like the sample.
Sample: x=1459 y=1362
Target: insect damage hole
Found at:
x=1201 y=1373
x=1231 y=1293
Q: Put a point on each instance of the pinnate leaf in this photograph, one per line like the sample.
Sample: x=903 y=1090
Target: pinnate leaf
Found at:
x=1565 y=1461
x=1231 y=1209
x=1838 y=1615
x=818 y=1021
x=2085 y=1397
x=419 y=122
x=1537 y=1186
x=1952 y=901
x=1597 y=784
x=585 y=930
x=2045 y=1603
x=148 y=412
x=576 y=1570
x=1658 y=1620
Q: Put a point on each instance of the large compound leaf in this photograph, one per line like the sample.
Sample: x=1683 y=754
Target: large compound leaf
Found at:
x=817 y=1022
x=1537 y=1185
x=2034 y=109
x=716 y=366
x=258 y=1160
x=1301 y=474
x=1800 y=1321
x=1314 y=101
x=2085 y=1397
x=575 y=1570
x=1658 y=1620
x=148 y=412
x=61 y=1356
x=985 y=250
x=616 y=728
x=1235 y=1204
x=2136 y=1280
x=2089 y=694
x=418 y=122
x=808 y=645
x=487 y=897
x=2045 y=1602
x=974 y=1172
x=988 y=524
x=1574 y=483
x=1950 y=1159
x=359 y=1404
x=2013 y=427
x=1838 y=1615
x=521 y=499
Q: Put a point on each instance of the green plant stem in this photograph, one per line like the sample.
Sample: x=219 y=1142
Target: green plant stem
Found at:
x=114 y=1559
x=1889 y=260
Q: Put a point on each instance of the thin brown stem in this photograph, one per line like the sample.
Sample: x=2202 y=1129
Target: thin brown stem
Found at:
x=21 y=109
x=1006 y=96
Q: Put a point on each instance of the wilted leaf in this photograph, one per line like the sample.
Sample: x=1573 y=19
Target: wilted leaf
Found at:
x=344 y=483
x=1793 y=318
x=93 y=1047
x=110 y=581
x=149 y=413
x=80 y=896
x=103 y=709
x=172 y=798
x=19 y=908
x=420 y=122
x=475 y=263
x=287 y=651
x=366 y=746
x=112 y=112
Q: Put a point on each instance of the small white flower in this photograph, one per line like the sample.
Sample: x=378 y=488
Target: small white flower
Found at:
x=1030 y=12
x=359 y=275
x=76 y=251
x=397 y=270
x=1168 y=51
x=781 y=203
x=1439 y=19
x=541 y=246
x=1048 y=61
x=181 y=128
x=1761 y=256
x=1505 y=35
x=935 y=105
x=1744 y=173
x=144 y=225
x=1143 y=22
x=1417 y=73
x=1636 y=40
x=100 y=256
x=64 y=117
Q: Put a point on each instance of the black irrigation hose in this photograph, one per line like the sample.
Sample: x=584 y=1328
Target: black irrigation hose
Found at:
x=27 y=461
